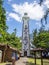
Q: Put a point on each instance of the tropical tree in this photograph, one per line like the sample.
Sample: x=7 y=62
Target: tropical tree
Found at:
x=5 y=37
x=46 y=13
x=34 y=36
x=42 y=39
x=2 y=17
x=15 y=30
x=41 y=2
x=3 y=26
x=13 y=40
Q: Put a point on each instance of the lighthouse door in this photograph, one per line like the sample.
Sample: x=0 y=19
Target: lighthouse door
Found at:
x=25 y=53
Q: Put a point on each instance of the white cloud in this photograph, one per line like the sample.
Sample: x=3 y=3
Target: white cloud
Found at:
x=34 y=10
x=47 y=3
x=14 y=16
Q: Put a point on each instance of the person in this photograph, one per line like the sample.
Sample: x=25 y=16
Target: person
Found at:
x=13 y=58
x=48 y=54
x=18 y=56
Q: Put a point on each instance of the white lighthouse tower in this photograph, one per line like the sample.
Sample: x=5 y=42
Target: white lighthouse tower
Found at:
x=25 y=36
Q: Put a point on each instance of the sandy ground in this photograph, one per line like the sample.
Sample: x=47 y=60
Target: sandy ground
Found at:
x=22 y=61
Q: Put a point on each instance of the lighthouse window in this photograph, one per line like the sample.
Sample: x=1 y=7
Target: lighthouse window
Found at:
x=25 y=38
x=25 y=26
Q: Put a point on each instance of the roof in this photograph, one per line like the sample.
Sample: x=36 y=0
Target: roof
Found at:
x=5 y=46
x=2 y=44
x=37 y=49
x=14 y=49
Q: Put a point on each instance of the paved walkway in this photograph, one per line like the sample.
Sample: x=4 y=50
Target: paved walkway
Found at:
x=22 y=61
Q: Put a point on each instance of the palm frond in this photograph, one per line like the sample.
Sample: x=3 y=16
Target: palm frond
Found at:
x=41 y=2
x=45 y=16
x=42 y=22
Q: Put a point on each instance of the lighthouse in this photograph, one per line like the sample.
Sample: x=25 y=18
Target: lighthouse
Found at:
x=25 y=36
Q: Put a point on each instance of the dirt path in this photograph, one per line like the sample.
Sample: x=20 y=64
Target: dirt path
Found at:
x=22 y=61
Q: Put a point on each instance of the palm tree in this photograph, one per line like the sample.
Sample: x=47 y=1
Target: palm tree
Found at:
x=3 y=26
x=15 y=30
x=2 y=16
x=41 y=2
x=45 y=15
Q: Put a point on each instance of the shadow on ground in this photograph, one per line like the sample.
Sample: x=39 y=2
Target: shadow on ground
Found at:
x=8 y=64
x=46 y=62
x=29 y=63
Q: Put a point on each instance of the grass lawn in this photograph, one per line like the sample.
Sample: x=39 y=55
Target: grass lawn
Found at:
x=38 y=61
x=4 y=63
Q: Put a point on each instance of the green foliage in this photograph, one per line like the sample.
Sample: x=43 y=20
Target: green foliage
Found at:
x=3 y=26
x=14 y=41
x=5 y=37
x=41 y=39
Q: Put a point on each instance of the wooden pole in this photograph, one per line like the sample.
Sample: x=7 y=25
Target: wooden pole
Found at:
x=13 y=62
x=41 y=59
x=35 y=57
x=3 y=54
x=2 y=57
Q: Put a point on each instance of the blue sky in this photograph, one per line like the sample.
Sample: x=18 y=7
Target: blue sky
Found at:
x=15 y=10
